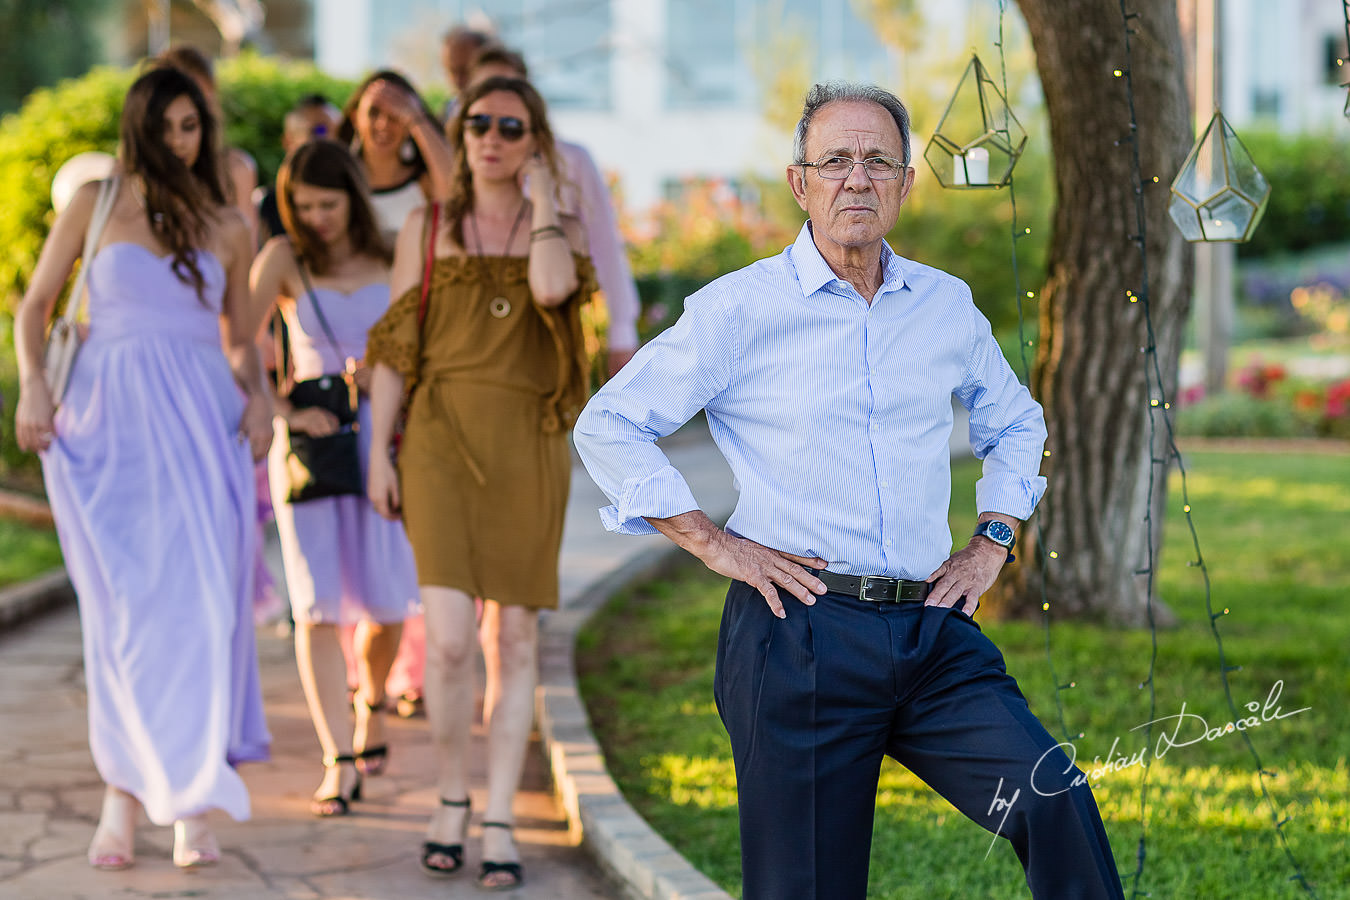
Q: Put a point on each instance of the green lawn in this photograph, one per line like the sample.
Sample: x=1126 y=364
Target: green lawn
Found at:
x=1272 y=530
x=26 y=551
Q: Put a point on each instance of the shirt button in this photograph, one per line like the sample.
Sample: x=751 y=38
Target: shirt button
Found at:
x=876 y=427
x=888 y=543
x=885 y=484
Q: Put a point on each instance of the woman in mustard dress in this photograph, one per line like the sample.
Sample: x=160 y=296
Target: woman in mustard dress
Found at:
x=496 y=372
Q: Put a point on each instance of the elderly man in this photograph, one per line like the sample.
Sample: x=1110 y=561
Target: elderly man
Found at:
x=826 y=374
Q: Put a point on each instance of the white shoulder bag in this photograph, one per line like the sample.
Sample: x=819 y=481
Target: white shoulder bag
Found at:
x=63 y=341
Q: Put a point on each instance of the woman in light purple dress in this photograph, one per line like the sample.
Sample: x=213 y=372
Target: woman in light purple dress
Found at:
x=148 y=467
x=345 y=565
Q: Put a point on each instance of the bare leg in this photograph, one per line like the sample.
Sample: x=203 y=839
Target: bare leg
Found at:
x=375 y=646
x=114 y=843
x=449 y=697
x=511 y=650
x=323 y=675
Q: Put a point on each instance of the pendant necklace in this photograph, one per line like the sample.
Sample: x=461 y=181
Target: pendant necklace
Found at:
x=500 y=307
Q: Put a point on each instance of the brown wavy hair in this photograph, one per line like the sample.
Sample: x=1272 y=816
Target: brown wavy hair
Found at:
x=181 y=203
x=461 y=200
x=324 y=163
x=347 y=128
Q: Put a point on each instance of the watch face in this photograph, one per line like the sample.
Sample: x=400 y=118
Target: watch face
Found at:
x=998 y=532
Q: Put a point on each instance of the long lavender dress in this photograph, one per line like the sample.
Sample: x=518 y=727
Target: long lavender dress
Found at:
x=343 y=561
x=153 y=495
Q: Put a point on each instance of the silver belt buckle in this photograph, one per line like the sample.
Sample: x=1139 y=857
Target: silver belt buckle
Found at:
x=867 y=581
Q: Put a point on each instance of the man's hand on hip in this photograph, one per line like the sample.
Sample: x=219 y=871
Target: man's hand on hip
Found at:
x=966 y=575
x=763 y=568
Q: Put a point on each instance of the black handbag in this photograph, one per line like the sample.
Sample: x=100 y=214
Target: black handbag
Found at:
x=328 y=465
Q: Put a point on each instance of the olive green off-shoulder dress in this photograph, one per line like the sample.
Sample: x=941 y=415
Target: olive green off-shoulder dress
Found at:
x=496 y=383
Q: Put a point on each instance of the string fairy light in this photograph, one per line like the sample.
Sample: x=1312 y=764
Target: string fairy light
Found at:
x=1154 y=374
x=1017 y=232
x=1345 y=8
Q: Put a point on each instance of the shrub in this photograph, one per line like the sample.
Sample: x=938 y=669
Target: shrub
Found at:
x=679 y=246
x=1310 y=196
x=82 y=114
x=1240 y=415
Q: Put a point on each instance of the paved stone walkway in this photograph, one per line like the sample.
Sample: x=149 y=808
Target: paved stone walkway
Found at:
x=578 y=838
x=50 y=792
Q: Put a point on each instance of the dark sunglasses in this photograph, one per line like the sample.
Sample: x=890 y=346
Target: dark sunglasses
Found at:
x=510 y=128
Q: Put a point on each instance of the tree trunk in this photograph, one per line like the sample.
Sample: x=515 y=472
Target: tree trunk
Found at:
x=1105 y=481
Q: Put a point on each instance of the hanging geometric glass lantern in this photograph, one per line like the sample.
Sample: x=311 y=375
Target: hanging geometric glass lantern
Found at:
x=1345 y=8
x=978 y=140
x=1219 y=194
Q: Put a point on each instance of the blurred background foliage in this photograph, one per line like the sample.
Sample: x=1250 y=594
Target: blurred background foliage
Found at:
x=45 y=41
x=82 y=114
x=708 y=228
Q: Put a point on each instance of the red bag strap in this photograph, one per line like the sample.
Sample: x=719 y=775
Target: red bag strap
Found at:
x=430 y=261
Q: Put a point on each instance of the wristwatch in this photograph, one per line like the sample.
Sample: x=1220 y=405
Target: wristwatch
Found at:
x=998 y=532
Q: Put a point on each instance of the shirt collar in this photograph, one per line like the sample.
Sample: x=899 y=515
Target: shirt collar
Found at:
x=813 y=273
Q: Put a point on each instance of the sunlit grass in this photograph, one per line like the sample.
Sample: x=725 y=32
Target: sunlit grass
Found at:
x=1273 y=536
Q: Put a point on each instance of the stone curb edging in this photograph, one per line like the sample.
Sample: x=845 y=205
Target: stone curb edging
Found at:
x=622 y=842
x=27 y=599
x=597 y=813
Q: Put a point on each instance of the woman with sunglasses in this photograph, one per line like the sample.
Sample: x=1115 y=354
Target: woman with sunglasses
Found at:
x=497 y=373
x=399 y=145
x=148 y=469
x=329 y=275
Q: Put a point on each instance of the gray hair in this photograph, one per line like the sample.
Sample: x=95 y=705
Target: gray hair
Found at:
x=829 y=92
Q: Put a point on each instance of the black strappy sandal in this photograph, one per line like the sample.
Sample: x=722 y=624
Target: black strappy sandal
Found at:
x=337 y=805
x=490 y=868
x=454 y=851
x=371 y=760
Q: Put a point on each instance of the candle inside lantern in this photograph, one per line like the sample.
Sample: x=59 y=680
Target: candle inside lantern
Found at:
x=972 y=167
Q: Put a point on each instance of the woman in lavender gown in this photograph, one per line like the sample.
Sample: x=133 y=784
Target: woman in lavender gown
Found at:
x=329 y=276
x=148 y=467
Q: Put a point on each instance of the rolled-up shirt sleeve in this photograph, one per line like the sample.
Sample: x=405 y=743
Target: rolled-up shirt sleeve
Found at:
x=1007 y=429
x=669 y=380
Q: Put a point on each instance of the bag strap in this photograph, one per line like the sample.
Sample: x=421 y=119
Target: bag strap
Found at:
x=430 y=261
x=107 y=197
x=314 y=299
x=281 y=374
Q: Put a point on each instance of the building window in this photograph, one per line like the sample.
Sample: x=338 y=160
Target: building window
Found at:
x=1265 y=103
x=705 y=61
x=711 y=45
x=567 y=45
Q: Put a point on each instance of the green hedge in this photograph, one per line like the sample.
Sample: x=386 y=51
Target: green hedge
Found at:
x=1309 y=206
x=680 y=246
x=82 y=114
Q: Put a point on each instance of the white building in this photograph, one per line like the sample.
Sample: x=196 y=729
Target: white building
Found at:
x=662 y=91
x=1280 y=64
x=658 y=90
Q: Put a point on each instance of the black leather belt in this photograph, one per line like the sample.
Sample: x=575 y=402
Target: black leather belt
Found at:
x=874 y=588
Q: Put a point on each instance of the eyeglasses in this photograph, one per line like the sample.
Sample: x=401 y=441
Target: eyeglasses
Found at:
x=510 y=128
x=838 y=168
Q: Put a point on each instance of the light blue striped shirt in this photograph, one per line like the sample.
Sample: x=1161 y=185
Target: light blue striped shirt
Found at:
x=834 y=415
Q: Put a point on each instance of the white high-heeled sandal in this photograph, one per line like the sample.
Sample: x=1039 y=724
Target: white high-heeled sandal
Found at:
x=194 y=846
x=114 y=845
